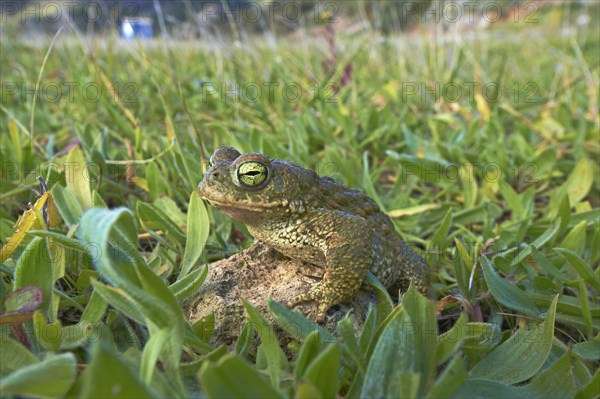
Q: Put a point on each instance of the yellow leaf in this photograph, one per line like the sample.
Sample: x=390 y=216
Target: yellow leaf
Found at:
x=141 y=183
x=30 y=220
x=391 y=88
x=414 y=210
x=52 y=212
x=580 y=180
x=343 y=109
x=583 y=207
x=482 y=107
x=170 y=128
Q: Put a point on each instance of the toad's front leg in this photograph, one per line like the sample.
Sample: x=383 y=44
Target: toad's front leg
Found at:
x=346 y=267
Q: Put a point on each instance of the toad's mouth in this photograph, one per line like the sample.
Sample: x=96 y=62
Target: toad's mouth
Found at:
x=243 y=211
x=237 y=204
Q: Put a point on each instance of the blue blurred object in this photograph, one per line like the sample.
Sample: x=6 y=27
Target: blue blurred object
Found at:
x=137 y=27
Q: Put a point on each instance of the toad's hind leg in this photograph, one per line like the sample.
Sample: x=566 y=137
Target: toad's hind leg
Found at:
x=413 y=270
x=344 y=274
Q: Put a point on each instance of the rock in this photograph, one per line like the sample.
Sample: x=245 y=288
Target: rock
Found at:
x=256 y=275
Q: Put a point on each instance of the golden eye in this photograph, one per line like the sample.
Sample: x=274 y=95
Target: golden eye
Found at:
x=252 y=173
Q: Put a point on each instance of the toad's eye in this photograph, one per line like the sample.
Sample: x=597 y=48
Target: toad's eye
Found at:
x=252 y=173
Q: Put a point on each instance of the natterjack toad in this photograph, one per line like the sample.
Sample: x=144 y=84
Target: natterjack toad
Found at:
x=314 y=219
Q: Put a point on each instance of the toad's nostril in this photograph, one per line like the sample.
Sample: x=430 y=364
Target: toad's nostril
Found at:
x=215 y=174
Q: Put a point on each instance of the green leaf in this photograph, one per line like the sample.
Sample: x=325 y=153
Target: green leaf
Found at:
x=369 y=330
x=16 y=142
x=548 y=266
x=367 y=181
x=580 y=180
x=385 y=305
x=197 y=233
x=116 y=380
x=506 y=293
x=204 y=327
x=422 y=314
x=322 y=372
x=582 y=268
x=35 y=268
x=590 y=390
x=67 y=242
x=476 y=214
x=393 y=361
x=306 y=390
x=95 y=308
x=58 y=256
x=309 y=350
x=120 y=300
x=153 y=285
x=589 y=350
x=134 y=283
x=585 y=307
x=463 y=264
x=546 y=236
x=244 y=340
x=520 y=356
x=478 y=388
x=171 y=209
x=50 y=378
x=269 y=342
x=77 y=335
x=194 y=366
x=184 y=287
x=66 y=203
x=296 y=324
x=450 y=341
x=556 y=381
x=153 y=218
x=14 y=356
x=231 y=377
x=426 y=169
x=576 y=238
x=156 y=182
x=98 y=201
x=438 y=239
x=152 y=350
x=345 y=329
x=464 y=253
x=450 y=379
x=138 y=291
x=523 y=252
x=513 y=200
x=564 y=214
x=469 y=185
x=191 y=339
x=78 y=178
x=47 y=334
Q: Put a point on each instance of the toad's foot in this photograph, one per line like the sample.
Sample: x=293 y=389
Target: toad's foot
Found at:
x=318 y=296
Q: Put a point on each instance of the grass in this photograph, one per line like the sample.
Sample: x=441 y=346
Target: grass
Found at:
x=502 y=197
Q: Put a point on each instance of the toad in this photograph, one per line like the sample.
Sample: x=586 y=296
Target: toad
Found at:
x=314 y=219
